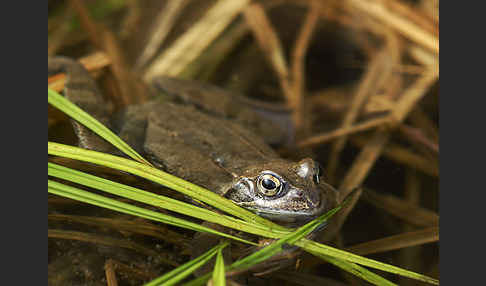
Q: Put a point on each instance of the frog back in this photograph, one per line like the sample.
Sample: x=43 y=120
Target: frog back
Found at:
x=199 y=147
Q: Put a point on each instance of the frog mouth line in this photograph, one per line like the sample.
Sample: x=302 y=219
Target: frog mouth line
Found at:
x=281 y=215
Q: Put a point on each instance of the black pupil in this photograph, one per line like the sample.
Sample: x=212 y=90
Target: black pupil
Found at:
x=268 y=184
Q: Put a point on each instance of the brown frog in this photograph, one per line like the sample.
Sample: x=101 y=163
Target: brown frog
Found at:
x=220 y=145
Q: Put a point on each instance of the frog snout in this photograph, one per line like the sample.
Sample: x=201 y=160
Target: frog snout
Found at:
x=312 y=198
x=299 y=194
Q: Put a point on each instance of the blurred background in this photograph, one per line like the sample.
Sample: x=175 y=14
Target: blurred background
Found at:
x=358 y=79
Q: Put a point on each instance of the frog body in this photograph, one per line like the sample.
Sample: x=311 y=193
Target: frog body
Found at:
x=214 y=146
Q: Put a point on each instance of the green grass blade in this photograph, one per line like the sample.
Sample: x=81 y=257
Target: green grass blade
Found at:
x=160 y=177
x=66 y=106
x=219 y=278
x=94 y=199
x=186 y=269
x=212 y=199
x=276 y=247
x=340 y=258
x=154 y=199
x=322 y=249
x=357 y=270
x=272 y=249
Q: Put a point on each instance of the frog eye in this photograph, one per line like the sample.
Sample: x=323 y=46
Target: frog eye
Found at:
x=269 y=185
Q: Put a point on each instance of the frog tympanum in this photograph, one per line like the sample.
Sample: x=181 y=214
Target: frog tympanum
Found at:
x=203 y=134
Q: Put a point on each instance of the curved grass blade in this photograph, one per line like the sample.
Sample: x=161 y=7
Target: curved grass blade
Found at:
x=219 y=278
x=274 y=248
x=357 y=270
x=66 y=106
x=159 y=177
x=139 y=195
x=338 y=257
x=322 y=249
x=184 y=270
x=94 y=199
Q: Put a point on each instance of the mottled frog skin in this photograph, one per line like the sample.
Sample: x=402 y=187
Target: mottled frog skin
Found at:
x=209 y=137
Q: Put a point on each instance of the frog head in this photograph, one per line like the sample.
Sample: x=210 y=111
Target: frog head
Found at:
x=291 y=193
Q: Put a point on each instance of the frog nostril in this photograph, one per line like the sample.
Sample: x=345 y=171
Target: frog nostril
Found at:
x=297 y=194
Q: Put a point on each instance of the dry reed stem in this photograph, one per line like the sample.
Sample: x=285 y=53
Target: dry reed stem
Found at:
x=362 y=24
x=298 y=61
x=336 y=101
x=391 y=89
x=343 y=131
x=269 y=42
x=378 y=103
x=160 y=29
x=110 y=273
x=58 y=29
x=131 y=89
x=406 y=211
x=103 y=240
x=95 y=61
x=413 y=94
x=293 y=88
x=139 y=227
x=412 y=192
x=192 y=43
x=391 y=83
x=57 y=81
x=205 y=65
x=398 y=241
x=406 y=157
x=409 y=257
x=355 y=177
x=416 y=135
x=415 y=15
x=333 y=99
x=364 y=162
x=431 y=9
x=403 y=26
x=55 y=22
x=379 y=72
x=92 y=63
x=410 y=69
x=423 y=56
x=419 y=119
x=374 y=147
x=365 y=89
x=87 y=22
x=131 y=20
